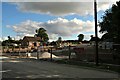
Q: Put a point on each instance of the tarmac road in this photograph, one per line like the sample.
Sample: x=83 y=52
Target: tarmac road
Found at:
x=28 y=68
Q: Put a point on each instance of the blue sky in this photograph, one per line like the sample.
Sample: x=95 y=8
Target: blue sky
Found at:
x=12 y=16
x=21 y=19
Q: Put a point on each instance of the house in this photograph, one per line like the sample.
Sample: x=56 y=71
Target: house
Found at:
x=93 y=39
x=106 y=44
x=31 y=42
x=72 y=43
x=103 y=44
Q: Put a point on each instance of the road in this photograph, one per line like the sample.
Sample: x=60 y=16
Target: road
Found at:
x=28 y=68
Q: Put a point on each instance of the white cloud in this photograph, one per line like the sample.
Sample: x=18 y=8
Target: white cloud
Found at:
x=55 y=28
x=105 y=5
x=67 y=28
x=62 y=8
x=26 y=27
x=3 y=38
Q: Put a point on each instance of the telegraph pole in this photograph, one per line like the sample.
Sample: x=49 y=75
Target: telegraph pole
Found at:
x=96 y=35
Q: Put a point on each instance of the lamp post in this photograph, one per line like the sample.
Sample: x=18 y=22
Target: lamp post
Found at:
x=96 y=35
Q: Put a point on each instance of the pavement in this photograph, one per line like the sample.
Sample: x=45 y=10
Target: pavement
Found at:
x=28 y=68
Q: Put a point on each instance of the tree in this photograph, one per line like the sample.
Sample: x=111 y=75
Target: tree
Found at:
x=9 y=38
x=110 y=24
x=59 y=39
x=80 y=37
x=10 y=42
x=41 y=32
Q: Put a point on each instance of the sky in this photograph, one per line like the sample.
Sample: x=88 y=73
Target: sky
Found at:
x=60 y=19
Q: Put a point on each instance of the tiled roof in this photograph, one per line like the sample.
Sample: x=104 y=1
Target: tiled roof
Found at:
x=28 y=38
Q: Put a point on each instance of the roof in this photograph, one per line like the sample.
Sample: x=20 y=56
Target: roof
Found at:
x=75 y=41
x=70 y=41
x=94 y=39
x=28 y=38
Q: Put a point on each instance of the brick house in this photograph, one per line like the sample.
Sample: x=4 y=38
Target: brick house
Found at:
x=31 y=42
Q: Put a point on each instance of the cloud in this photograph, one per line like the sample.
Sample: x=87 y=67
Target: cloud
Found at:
x=55 y=28
x=3 y=38
x=61 y=8
x=102 y=6
x=55 y=8
x=58 y=0
x=26 y=27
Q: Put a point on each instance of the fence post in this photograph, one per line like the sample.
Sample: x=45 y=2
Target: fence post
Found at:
x=37 y=55
x=13 y=48
x=69 y=53
x=3 y=49
x=51 y=54
x=19 y=51
x=39 y=50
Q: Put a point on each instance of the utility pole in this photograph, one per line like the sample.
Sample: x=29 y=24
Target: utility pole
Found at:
x=96 y=35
